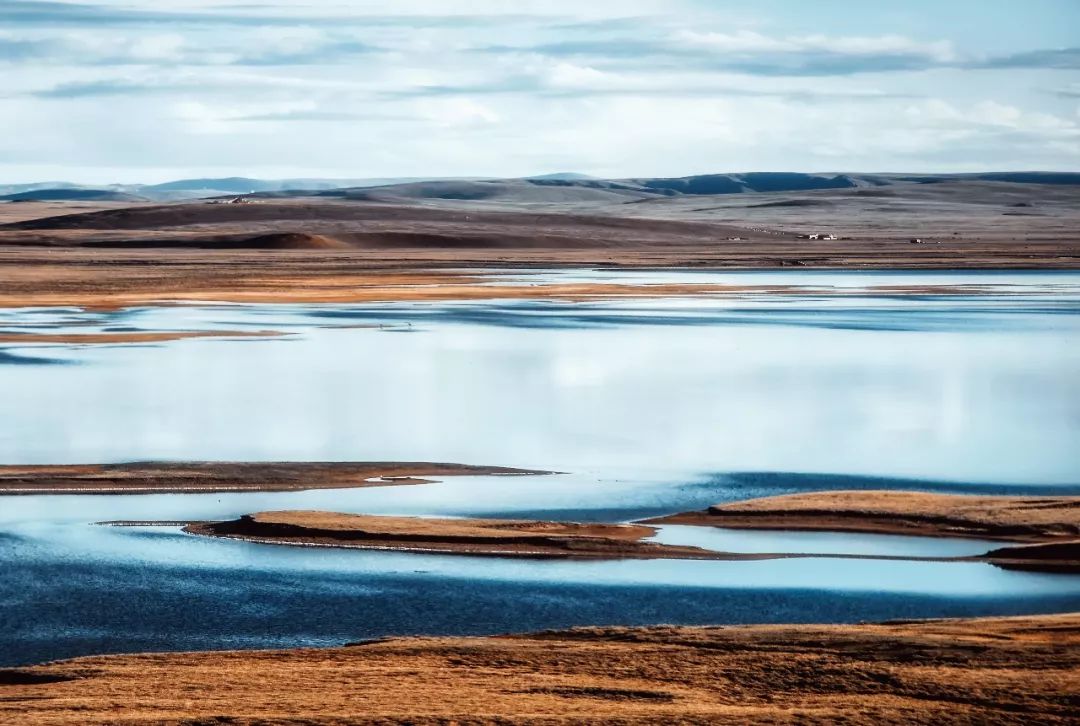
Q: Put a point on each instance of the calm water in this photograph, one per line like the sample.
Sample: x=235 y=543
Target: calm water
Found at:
x=648 y=407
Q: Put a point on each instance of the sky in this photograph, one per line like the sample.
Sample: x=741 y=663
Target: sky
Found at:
x=146 y=91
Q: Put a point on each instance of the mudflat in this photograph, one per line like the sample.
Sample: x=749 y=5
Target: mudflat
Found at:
x=480 y=537
x=1021 y=670
x=214 y=476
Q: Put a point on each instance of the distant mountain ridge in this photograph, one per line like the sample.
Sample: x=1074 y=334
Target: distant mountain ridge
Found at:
x=560 y=187
x=182 y=189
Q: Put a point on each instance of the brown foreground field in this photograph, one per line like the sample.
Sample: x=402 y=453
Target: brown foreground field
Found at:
x=1022 y=670
x=217 y=476
x=489 y=537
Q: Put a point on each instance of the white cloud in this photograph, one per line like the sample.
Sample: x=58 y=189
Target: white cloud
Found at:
x=159 y=47
x=750 y=42
x=569 y=75
x=457 y=112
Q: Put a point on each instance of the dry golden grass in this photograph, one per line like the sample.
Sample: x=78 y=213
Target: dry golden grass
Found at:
x=1023 y=671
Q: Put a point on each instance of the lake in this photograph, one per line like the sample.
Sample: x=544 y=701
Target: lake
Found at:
x=646 y=407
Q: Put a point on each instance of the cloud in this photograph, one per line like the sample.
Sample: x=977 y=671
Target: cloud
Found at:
x=92 y=89
x=746 y=42
x=273 y=46
x=458 y=112
x=627 y=87
x=1058 y=58
x=37 y=12
x=763 y=58
x=18 y=50
x=321 y=116
x=234 y=84
x=42 y=13
x=1072 y=91
x=987 y=116
x=562 y=79
x=754 y=53
x=64 y=33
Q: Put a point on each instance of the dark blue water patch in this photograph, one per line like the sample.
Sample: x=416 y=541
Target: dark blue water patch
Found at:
x=953 y=317
x=9 y=540
x=49 y=326
x=52 y=316
x=69 y=609
x=13 y=359
x=119 y=346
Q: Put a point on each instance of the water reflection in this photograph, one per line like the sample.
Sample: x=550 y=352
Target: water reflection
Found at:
x=943 y=392
x=821 y=543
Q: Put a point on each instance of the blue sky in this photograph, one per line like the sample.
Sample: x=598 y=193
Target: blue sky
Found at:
x=114 y=91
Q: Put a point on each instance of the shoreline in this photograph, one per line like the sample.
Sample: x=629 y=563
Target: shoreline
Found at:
x=219 y=477
x=1000 y=670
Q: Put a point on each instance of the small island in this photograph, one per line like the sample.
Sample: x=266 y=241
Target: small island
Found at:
x=1046 y=528
x=479 y=537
